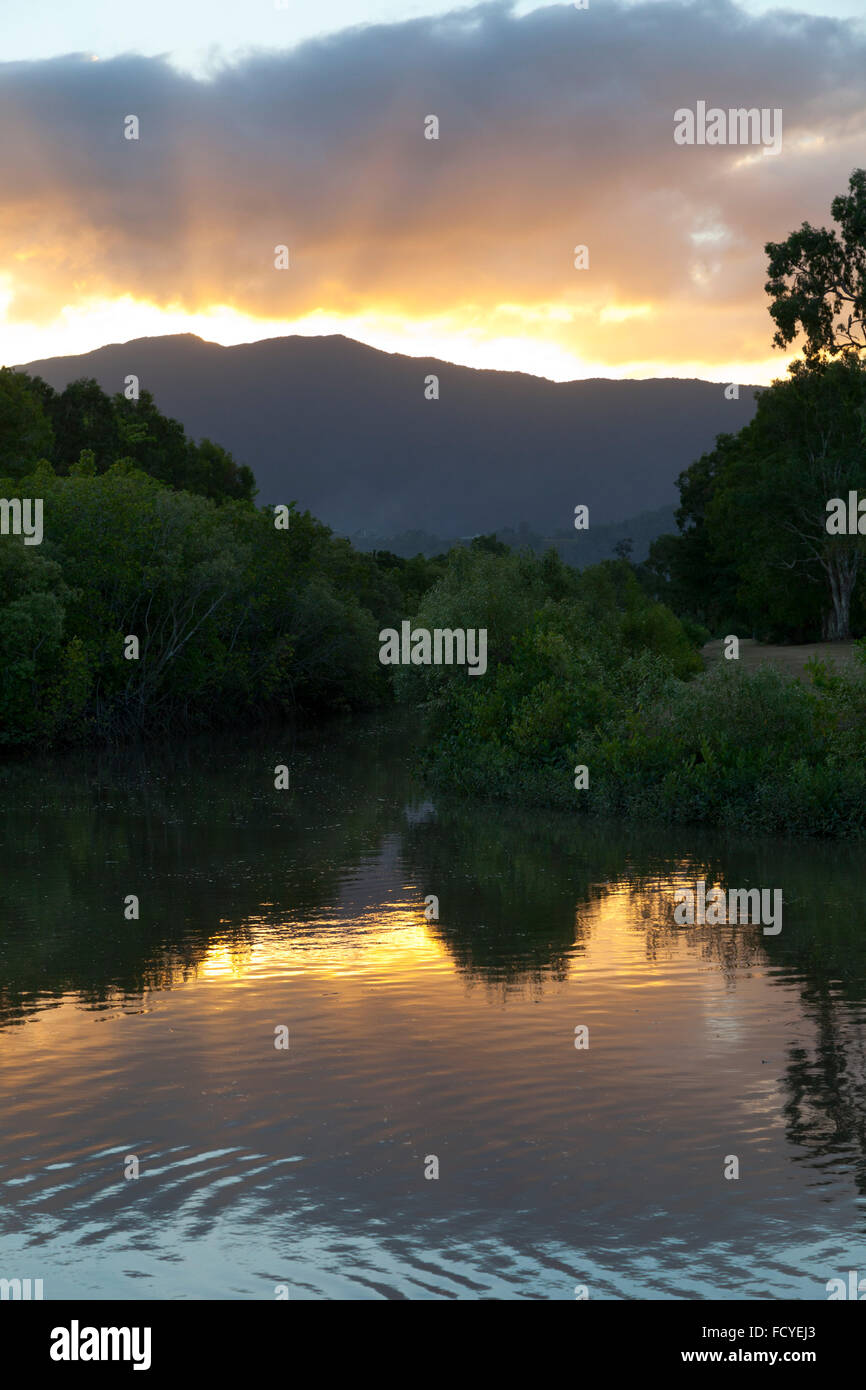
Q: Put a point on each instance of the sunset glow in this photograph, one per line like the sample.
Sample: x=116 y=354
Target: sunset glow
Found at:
x=461 y=246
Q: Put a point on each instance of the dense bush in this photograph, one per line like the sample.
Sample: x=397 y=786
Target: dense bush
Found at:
x=602 y=677
x=235 y=618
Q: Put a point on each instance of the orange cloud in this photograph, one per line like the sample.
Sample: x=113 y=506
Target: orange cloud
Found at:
x=556 y=129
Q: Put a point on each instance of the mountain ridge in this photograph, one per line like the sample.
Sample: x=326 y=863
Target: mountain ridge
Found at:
x=345 y=430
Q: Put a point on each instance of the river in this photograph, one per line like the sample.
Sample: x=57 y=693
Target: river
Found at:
x=288 y=1078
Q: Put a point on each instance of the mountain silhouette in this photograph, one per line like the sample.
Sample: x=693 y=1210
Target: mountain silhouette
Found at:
x=346 y=431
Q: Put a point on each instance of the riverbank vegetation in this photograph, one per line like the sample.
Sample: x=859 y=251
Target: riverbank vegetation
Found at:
x=595 y=700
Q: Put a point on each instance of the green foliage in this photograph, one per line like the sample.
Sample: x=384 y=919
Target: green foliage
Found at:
x=754 y=554
x=481 y=588
x=44 y=675
x=588 y=670
x=413 y=577
x=82 y=423
x=25 y=429
x=752 y=751
x=235 y=619
x=695 y=576
x=83 y=417
x=818 y=279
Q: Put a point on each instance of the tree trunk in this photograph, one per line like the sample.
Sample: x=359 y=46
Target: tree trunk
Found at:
x=842 y=576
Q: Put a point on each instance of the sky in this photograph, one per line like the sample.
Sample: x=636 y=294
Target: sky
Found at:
x=263 y=125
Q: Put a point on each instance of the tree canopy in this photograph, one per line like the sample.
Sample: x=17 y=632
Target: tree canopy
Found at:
x=754 y=547
x=37 y=422
x=817 y=279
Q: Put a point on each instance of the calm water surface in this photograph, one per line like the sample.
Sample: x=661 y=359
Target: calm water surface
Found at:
x=411 y=1038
